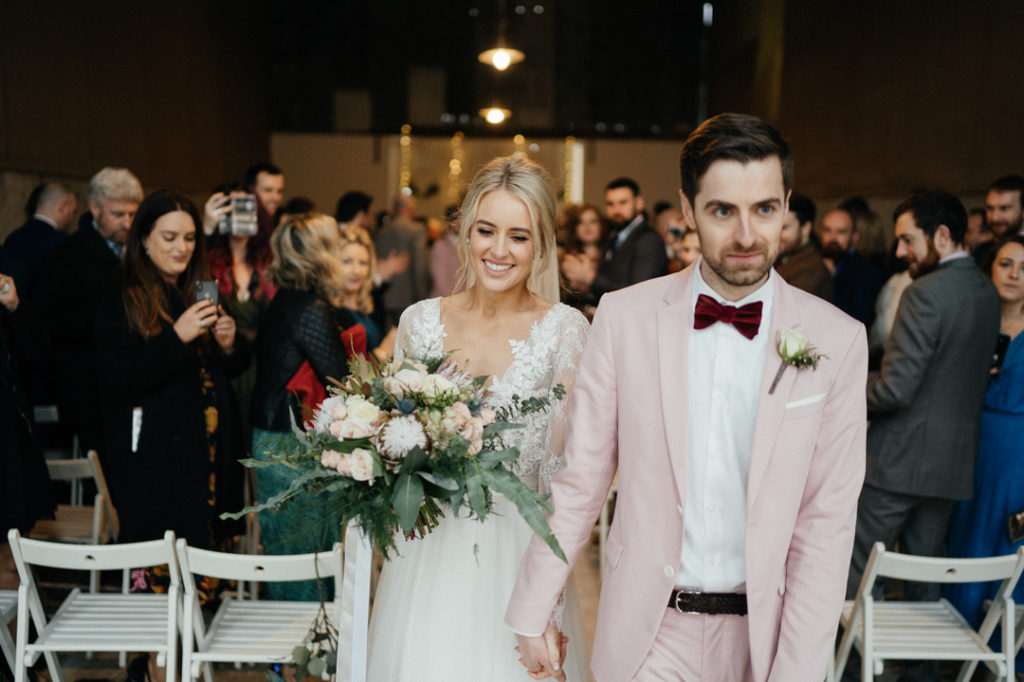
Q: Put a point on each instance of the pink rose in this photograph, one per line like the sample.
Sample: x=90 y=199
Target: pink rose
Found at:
x=339 y=410
x=487 y=415
x=330 y=459
x=361 y=463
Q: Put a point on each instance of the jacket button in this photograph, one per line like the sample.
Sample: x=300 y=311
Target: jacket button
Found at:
x=669 y=571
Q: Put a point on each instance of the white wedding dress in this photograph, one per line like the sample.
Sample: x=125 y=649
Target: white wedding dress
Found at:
x=439 y=610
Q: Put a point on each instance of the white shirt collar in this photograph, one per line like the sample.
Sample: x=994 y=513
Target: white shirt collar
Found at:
x=953 y=256
x=45 y=219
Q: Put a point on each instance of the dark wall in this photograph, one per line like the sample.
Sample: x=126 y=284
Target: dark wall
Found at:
x=174 y=91
x=878 y=97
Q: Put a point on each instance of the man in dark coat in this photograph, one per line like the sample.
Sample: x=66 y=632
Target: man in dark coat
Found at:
x=72 y=282
x=49 y=221
x=635 y=253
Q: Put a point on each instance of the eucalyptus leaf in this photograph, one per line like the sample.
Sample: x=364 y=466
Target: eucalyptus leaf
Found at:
x=499 y=426
x=301 y=672
x=530 y=505
x=477 y=497
x=317 y=667
x=407 y=499
x=495 y=456
x=414 y=459
x=300 y=655
x=271 y=675
x=440 y=480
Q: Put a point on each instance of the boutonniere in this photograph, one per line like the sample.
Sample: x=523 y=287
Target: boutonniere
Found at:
x=795 y=349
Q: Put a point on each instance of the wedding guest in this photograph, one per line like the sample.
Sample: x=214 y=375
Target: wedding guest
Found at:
x=239 y=263
x=685 y=243
x=46 y=227
x=24 y=482
x=444 y=258
x=403 y=234
x=586 y=232
x=359 y=265
x=266 y=181
x=164 y=361
x=299 y=350
x=72 y=280
x=979 y=527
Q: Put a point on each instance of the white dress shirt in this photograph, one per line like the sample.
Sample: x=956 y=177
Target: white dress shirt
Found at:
x=725 y=372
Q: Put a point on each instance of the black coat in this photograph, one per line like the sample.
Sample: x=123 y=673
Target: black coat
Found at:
x=69 y=286
x=25 y=494
x=298 y=326
x=165 y=483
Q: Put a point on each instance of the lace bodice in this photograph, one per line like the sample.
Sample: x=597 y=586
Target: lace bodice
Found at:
x=548 y=357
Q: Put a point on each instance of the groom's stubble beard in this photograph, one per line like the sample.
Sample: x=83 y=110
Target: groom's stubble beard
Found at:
x=743 y=275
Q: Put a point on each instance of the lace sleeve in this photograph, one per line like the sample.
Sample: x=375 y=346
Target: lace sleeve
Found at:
x=420 y=332
x=573 y=334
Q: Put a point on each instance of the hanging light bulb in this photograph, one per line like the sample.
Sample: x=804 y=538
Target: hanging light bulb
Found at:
x=501 y=57
x=495 y=115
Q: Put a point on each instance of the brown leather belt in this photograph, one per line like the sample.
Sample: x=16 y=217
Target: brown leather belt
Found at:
x=712 y=603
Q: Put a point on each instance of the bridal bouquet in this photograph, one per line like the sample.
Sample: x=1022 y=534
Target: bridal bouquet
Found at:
x=396 y=445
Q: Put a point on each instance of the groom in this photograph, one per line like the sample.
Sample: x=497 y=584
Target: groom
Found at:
x=738 y=471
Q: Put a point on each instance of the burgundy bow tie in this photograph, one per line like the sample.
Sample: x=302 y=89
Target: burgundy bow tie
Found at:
x=746 y=318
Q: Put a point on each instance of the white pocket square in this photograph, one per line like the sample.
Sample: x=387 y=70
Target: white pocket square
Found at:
x=806 y=401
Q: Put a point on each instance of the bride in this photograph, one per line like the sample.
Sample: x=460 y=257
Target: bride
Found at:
x=439 y=604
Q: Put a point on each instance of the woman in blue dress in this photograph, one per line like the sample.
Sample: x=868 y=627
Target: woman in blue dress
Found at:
x=359 y=265
x=979 y=527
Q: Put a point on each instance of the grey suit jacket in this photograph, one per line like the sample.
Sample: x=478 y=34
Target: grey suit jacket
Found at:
x=925 y=403
x=402 y=234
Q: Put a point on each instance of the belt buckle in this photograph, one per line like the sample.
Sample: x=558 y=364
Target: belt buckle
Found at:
x=679 y=597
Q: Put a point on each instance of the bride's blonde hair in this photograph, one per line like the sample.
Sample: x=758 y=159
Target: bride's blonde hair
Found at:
x=531 y=184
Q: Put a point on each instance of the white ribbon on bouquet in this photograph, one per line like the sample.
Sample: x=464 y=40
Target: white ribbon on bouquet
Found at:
x=355 y=606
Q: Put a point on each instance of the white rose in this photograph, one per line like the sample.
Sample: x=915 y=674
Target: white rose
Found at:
x=792 y=343
x=361 y=461
x=394 y=387
x=362 y=410
x=411 y=379
x=435 y=385
x=351 y=429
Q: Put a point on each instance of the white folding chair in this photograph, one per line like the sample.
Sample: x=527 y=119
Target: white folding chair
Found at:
x=251 y=631
x=92 y=524
x=95 y=621
x=931 y=631
x=8 y=610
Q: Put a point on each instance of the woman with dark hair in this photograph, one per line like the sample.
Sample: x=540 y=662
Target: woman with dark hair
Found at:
x=586 y=235
x=979 y=527
x=299 y=350
x=164 y=361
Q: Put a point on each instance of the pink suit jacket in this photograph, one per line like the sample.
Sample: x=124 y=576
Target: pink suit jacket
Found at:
x=629 y=414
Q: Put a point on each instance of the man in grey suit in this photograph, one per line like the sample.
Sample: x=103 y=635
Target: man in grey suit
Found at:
x=924 y=405
x=404 y=235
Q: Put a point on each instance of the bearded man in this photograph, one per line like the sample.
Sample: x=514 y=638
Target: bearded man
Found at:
x=738 y=474
x=925 y=403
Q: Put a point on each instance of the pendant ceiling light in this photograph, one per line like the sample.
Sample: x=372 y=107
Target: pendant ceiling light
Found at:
x=502 y=56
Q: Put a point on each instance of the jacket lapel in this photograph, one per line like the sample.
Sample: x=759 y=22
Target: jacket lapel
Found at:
x=674 y=322
x=772 y=408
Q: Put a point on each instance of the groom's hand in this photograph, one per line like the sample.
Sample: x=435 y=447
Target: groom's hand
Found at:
x=543 y=656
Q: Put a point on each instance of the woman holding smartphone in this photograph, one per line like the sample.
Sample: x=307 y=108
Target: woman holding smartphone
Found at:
x=164 y=360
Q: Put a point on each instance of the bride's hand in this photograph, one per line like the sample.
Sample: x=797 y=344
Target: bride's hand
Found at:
x=543 y=656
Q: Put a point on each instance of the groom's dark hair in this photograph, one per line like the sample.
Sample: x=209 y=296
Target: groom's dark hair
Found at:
x=738 y=137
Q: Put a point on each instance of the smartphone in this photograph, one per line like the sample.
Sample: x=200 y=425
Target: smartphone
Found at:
x=208 y=290
x=1001 y=346
x=241 y=219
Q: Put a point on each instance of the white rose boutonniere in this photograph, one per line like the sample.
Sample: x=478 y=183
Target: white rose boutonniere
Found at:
x=795 y=349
